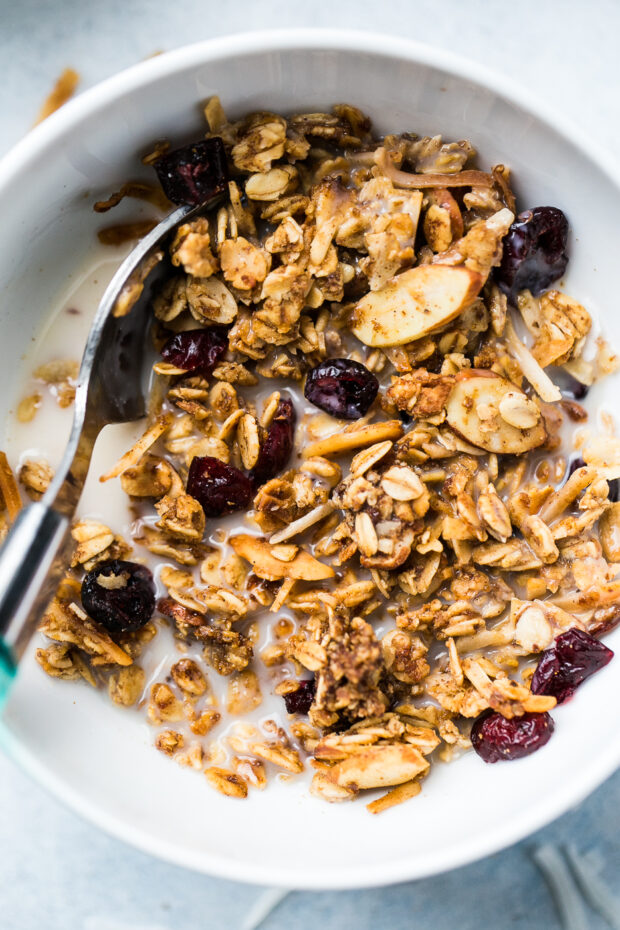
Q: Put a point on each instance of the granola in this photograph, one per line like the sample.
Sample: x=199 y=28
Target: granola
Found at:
x=412 y=537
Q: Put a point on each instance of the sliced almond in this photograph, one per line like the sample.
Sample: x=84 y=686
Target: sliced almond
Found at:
x=302 y=524
x=414 y=303
x=473 y=413
x=343 y=442
x=533 y=631
x=378 y=767
x=259 y=553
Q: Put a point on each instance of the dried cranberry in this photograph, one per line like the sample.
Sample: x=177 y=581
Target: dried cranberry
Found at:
x=299 y=701
x=278 y=444
x=196 y=349
x=219 y=488
x=495 y=738
x=341 y=387
x=120 y=595
x=195 y=173
x=534 y=254
x=574 y=656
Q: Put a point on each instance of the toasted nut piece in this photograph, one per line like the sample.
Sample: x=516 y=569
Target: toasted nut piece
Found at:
x=366 y=534
x=378 y=766
x=413 y=303
x=533 y=631
x=519 y=410
x=227 y=782
x=609 y=530
x=473 y=413
x=248 y=439
x=343 y=442
x=259 y=553
x=402 y=483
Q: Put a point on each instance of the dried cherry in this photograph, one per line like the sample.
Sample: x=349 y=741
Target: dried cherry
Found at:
x=195 y=173
x=219 y=488
x=196 y=349
x=534 y=254
x=119 y=594
x=574 y=656
x=278 y=444
x=341 y=387
x=495 y=738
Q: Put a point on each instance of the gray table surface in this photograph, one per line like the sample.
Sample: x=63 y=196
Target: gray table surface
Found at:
x=59 y=873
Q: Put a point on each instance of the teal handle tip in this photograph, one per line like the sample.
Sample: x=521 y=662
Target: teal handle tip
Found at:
x=8 y=669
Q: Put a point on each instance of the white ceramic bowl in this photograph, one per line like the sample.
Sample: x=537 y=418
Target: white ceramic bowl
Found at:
x=97 y=758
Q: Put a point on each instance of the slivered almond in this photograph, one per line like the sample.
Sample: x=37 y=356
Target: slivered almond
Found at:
x=259 y=553
x=414 y=303
x=133 y=456
x=343 y=442
x=396 y=796
x=473 y=413
x=302 y=524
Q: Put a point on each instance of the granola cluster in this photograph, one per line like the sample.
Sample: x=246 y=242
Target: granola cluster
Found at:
x=398 y=575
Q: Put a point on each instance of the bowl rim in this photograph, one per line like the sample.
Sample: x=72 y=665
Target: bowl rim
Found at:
x=28 y=149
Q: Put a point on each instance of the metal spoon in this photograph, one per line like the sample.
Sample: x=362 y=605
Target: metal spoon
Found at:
x=110 y=389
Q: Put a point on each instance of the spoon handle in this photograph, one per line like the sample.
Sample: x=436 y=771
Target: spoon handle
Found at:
x=32 y=560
